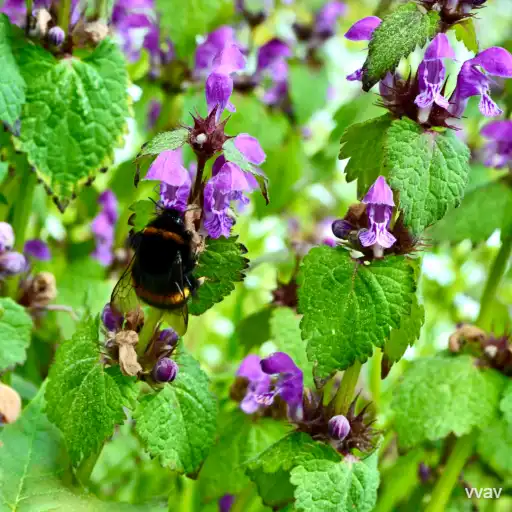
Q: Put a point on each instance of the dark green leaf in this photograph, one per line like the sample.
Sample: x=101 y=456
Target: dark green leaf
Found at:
x=465 y=32
x=494 y=446
x=254 y=329
x=165 y=141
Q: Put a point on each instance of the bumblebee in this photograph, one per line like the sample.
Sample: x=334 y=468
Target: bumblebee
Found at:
x=160 y=272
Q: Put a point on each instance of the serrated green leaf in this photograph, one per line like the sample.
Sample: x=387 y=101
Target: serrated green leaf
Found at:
x=482 y=211
x=12 y=84
x=164 y=141
x=494 y=446
x=465 y=32
x=74 y=116
x=178 y=423
x=32 y=462
x=346 y=486
x=429 y=170
x=443 y=395
x=143 y=211
x=241 y=439
x=15 y=333
x=349 y=307
x=285 y=332
x=308 y=90
x=407 y=334
x=233 y=154
x=222 y=264
x=364 y=144
x=270 y=471
x=127 y=386
x=83 y=400
x=506 y=404
x=396 y=37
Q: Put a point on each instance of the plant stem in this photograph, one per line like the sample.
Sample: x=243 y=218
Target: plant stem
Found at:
x=28 y=6
x=101 y=9
x=498 y=269
x=201 y=162
x=151 y=322
x=64 y=15
x=86 y=467
x=375 y=380
x=461 y=452
x=347 y=387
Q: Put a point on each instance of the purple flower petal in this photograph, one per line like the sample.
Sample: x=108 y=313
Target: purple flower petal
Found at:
x=279 y=362
x=213 y=45
x=250 y=368
x=229 y=60
x=498 y=152
x=103 y=227
x=168 y=168
x=37 y=249
x=226 y=502
x=439 y=48
x=362 y=30
x=272 y=51
x=250 y=148
x=12 y=263
x=496 y=61
x=328 y=15
x=219 y=88
x=379 y=193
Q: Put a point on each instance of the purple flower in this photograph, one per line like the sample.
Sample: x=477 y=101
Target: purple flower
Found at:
x=165 y=370
x=258 y=383
x=112 y=319
x=498 y=152
x=37 y=249
x=361 y=30
x=175 y=181
x=473 y=80
x=168 y=337
x=11 y=264
x=327 y=17
x=341 y=228
x=379 y=207
x=289 y=384
x=226 y=502
x=272 y=63
x=270 y=52
x=212 y=46
x=154 y=110
x=339 y=427
x=6 y=237
x=431 y=73
x=250 y=148
x=56 y=36
x=103 y=227
x=16 y=10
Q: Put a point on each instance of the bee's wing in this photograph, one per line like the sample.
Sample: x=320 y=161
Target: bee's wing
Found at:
x=123 y=297
x=179 y=317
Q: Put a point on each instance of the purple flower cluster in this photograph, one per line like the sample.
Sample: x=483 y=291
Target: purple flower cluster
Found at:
x=103 y=228
x=498 y=151
x=11 y=262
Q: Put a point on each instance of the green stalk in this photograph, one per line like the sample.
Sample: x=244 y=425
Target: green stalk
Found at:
x=151 y=321
x=498 y=269
x=461 y=452
x=375 y=380
x=345 y=393
x=64 y=14
x=102 y=10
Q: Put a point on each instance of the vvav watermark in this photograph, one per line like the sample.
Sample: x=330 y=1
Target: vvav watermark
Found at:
x=483 y=492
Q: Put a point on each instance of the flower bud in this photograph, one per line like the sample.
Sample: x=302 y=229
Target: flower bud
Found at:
x=341 y=228
x=168 y=337
x=12 y=263
x=165 y=370
x=6 y=237
x=111 y=319
x=56 y=36
x=339 y=427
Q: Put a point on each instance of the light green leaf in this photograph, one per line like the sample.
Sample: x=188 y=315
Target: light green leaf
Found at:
x=164 y=141
x=443 y=395
x=127 y=386
x=347 y=486
x=364 y=144
x=397 y=36
x=429 y=170
x=178 y=423
x=33 y=461
x=270 y=471
x=349 y=307
x=241 y=439
x=482 y=211
x=74 y=116
x=15 y=333
x=407 y=334
x=83 y=400
x=308 y=90
x=143 y=211
x=285 y=332
x=494 y=446
x=465 y=32
x=12 y=84
x=506 y=404
x=221 y=264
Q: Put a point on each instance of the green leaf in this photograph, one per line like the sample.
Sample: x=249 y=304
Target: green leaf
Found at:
x=83 y=400
x=350 y=307
x=15 y=333
x=221 y=264
x=33 y=462
x=127 y=386
x=165 y=141
x=407 y=334
x=346 y=486
x=241 y=439
x=143 y=211
x=364 y=144
x=4 y=169
x=308 y=90
x=429 y=170
x=506 y=404
x=178 y=423
x=12 y=85
x=270 y=471
x=494 y=446
x=465 y=32
x=233 y=154
x=254 y=329
x=443 y=395
x=396 y=37
x=74 y=116
x=482 y=211
x=285 y=332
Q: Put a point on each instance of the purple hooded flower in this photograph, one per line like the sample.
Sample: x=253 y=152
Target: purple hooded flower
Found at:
x=473 y=80
x=289 y=384
x=250 y=148
x=6 y=237
x=273 y=64
x=432 y=73
x=259 y=383
x=175 y=180
x=37 y=249
x=379 y=207
x=270 y=52
x=103 y=227
x=361 y=30
x=111 y=319
x=327 y=17
x=165 y=370
x=212 y=46
x=498 y=152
